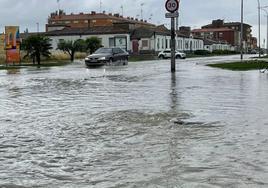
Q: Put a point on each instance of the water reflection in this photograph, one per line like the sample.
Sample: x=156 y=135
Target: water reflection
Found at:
x=13 y=71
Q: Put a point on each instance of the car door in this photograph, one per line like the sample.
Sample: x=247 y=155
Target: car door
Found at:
x=167 y=53
x=116 y=55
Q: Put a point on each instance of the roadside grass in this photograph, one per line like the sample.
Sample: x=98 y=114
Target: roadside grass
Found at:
x=241 y=66
x=135 y=58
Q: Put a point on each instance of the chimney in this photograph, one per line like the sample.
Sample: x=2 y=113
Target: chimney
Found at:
x=116 y=15
x=103 y=12
x=128 y=18
x=132 y=18
x=93 y=12
x=110 y=14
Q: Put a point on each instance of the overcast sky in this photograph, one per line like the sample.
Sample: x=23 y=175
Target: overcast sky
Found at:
x=194 y=13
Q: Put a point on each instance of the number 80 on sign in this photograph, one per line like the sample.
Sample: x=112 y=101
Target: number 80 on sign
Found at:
x=172 y=5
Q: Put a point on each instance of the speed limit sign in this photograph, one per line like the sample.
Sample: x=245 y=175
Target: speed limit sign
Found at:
x=172 y=5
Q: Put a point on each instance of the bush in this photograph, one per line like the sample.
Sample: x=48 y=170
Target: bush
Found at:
x=202 y=52
x=223 y=52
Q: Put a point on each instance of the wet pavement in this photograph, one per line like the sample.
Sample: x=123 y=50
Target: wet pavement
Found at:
x=134 y=126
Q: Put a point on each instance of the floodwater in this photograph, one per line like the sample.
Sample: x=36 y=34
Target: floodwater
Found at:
x=134 y=126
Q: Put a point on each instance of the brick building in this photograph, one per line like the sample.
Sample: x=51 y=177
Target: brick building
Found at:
x=236 y=27
x=58 y=21
x=219 y=34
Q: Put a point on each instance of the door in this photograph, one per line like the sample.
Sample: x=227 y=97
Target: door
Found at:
x=135 y=46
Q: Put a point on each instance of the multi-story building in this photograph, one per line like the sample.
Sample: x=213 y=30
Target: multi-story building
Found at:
x=230 y=36
x=236 y=27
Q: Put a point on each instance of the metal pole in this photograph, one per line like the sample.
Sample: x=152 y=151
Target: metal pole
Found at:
x=259 y=21
x=242 y=30
x=267 y=37
x=173 y=58
x=266 y=11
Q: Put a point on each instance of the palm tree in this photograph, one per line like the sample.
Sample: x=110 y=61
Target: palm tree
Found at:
x=71 y=47
x=37 y=46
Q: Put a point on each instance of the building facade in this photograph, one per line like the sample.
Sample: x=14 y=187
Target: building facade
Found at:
x=236 y=35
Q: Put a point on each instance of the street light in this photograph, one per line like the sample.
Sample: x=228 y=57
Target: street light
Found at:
x=264 y=9
x=259 y=20
x=242 y=30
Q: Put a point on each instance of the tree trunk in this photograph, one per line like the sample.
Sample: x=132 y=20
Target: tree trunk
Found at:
x=72 y=56
x=38 y=59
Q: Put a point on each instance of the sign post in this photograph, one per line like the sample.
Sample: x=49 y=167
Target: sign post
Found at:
x=172 y=6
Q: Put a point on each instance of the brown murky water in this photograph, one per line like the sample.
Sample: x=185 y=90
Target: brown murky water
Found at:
x=134 y=126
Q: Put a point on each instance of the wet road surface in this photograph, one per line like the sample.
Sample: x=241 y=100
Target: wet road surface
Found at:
x=134 y=126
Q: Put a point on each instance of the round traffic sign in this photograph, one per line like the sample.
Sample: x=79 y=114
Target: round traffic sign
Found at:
x=172 y=5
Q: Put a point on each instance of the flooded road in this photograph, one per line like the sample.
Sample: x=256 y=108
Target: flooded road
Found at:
x=134 y=126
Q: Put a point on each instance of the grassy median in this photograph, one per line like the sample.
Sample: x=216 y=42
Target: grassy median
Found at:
x=242 y=66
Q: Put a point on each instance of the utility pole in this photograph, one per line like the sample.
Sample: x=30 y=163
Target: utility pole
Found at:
x=242 y=30
x=264 y=8
x=37 y=27
x=259 y=22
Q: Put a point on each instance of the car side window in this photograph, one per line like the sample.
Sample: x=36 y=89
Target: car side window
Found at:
x=121 y=51
x=116 y=51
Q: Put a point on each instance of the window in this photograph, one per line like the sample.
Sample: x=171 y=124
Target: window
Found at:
x=166 y=43
x=76 y=22
x=111 y=42
x=145 y=43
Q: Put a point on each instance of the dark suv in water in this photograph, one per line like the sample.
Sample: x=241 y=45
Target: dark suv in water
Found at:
x=107 y=56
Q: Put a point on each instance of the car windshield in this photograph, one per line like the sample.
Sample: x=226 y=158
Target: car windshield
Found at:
x=104 y=51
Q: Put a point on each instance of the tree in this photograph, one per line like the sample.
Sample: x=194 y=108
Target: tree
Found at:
x=71 y=47
x=36 y=46
x=93 y=43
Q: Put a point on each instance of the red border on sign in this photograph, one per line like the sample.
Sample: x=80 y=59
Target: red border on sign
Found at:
x=176 y=7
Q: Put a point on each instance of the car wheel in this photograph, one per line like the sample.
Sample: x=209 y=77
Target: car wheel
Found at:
x=161 y=57
x=110 y=61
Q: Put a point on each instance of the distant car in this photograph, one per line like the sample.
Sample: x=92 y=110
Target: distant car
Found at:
x=167 y=54
x=107 y=56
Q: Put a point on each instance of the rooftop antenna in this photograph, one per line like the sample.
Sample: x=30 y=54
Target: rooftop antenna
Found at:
x=142 y=10
x=122 y=8
x=100 y=6
x=58 y=1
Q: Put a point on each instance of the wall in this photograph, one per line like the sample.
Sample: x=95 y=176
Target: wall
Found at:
x=104 y=39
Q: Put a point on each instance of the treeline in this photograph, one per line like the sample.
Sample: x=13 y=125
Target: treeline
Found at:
x=37 y=46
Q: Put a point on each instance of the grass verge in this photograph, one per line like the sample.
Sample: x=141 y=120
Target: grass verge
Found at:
x=241 y=66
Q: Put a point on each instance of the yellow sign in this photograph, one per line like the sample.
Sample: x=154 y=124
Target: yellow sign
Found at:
x=12 y=44
x=2 y=48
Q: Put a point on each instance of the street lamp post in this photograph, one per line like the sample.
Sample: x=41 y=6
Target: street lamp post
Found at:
x=265 y=10
x=242 y=30
x=259 y=22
